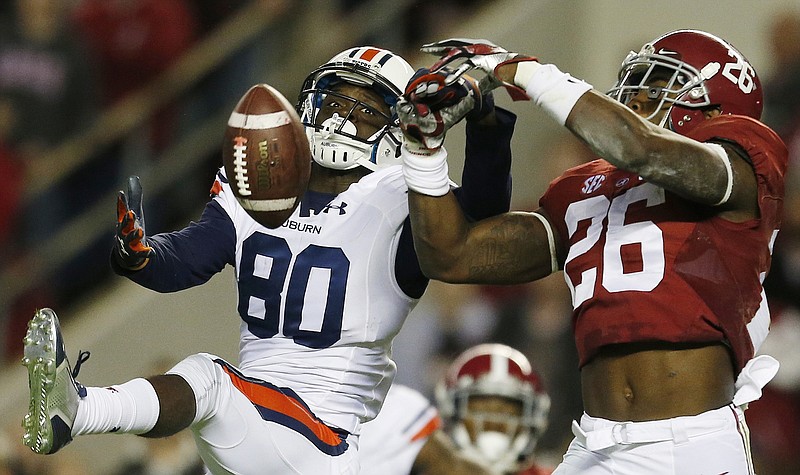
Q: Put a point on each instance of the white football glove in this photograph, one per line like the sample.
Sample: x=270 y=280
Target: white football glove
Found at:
x=477 y=54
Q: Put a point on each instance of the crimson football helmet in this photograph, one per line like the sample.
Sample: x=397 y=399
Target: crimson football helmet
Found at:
x=334 y=139
x=503 y=440
x=702 y=71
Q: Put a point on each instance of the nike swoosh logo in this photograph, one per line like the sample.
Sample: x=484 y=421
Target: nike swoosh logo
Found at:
x=667 y=53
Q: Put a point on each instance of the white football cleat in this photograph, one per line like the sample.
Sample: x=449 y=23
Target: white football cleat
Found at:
x=54 y=393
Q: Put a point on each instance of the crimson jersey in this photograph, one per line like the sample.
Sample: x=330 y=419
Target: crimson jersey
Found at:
x=647 y=265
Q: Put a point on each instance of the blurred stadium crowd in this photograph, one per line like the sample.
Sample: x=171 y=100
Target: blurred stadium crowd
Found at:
x=94 y=90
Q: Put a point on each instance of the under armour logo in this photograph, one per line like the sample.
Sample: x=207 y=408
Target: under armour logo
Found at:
x=340 y=207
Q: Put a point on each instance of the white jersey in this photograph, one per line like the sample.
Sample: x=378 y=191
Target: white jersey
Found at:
x=389 y=444
x=319 y=300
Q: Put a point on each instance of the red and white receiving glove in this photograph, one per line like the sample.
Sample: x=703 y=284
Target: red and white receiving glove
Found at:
x=554 y=91
x=434 y=102
x=478 y=54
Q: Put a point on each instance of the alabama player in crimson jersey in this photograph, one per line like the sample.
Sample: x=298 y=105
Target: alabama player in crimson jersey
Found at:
x=664 y=242
x=320 y=298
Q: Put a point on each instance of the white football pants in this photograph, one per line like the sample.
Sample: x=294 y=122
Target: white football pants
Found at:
x=714 y=442
x=247 y=426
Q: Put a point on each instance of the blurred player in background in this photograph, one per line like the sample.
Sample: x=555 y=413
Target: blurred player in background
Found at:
x=664 y=243
x=495 y=407
x=320 y=298
x=493 y=410
x=407 y=437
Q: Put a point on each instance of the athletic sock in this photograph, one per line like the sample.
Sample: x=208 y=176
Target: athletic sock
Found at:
x=128 y=408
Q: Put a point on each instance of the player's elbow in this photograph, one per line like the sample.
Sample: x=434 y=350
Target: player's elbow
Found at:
x=439 y=264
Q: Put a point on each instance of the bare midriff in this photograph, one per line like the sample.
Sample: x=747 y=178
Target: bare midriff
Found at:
x=644 y=382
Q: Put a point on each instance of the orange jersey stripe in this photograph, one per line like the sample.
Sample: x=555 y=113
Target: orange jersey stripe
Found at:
x=279 y=402
x=216 y=189
x=431 y=427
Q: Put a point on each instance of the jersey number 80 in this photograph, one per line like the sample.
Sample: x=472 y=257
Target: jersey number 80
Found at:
x=260 y=292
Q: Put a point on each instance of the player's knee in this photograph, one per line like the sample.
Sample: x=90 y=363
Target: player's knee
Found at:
x=203 y=377
x=177 y=405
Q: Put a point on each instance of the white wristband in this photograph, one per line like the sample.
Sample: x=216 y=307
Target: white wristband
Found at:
x=551 y=89
x=525 y=70
x=426 y=173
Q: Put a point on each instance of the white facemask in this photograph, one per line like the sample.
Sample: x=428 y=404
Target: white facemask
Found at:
x=332 y=150
x=493 y=445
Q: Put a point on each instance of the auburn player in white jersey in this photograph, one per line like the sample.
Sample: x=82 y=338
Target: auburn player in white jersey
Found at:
x=664 y=242
x=320 y=298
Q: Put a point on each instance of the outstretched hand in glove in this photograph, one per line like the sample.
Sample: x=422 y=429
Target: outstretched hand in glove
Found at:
x=130 y=250
x=478 y=54
x=434 y=102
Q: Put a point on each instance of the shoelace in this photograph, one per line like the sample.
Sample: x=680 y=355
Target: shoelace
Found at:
x=82 y=357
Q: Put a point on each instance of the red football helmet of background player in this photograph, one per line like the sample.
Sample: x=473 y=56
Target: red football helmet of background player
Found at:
x=496 y=371
x=266 y=155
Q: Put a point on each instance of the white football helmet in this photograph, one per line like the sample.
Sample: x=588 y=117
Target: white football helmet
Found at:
x=334 y=140
x=494 y=370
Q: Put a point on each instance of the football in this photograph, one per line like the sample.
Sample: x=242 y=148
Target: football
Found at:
x=266 y=155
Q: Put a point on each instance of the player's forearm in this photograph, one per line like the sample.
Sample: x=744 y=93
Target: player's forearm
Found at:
x=440 y=456
x=679 y=164
x=189 y=257
x=691 y=169
x=439 y=228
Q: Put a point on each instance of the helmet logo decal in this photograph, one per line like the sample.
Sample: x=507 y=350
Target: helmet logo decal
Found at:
x=366 y=57
x=746 y=73
x=710 y=70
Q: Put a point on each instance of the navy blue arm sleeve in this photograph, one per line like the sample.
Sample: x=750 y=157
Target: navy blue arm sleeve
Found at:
x=486 y=179
x=188 y=257
x=485 y=191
